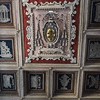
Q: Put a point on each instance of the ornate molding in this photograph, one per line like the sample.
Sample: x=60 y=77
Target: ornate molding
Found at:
x=51 y=30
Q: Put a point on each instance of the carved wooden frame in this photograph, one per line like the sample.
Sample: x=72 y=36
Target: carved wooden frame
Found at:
x=27 y=81
x=93 y=19
x=88 y=40
x=12 y=91
x=34 y=51
x=89 y=91
x=55 y=84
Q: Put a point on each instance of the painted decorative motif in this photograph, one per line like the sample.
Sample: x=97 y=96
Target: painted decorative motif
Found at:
x=37 y=81
x=7 y=49
x=94 y=19
x=92 y=81
x=8 y=81
x=5 y=12
x=94 y=48
x=51 y=30
x=64 y=82
x=34 y=82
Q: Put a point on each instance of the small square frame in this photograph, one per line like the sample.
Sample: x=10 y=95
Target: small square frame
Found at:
x=8 y=44
x=6 y=18
x=11 y=79
x=91 y=54
x=94 y=14
x=57 y=90
x=38 y=88
x=92 y=90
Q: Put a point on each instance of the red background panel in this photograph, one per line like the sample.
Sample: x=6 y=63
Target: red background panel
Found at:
x=75 y=46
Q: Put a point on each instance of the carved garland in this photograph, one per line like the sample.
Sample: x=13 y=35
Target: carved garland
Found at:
x=51 y=41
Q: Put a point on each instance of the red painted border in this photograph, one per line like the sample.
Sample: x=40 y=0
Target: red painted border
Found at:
x=75 y=46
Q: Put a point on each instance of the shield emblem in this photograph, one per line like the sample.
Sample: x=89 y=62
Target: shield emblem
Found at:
x=50 y=31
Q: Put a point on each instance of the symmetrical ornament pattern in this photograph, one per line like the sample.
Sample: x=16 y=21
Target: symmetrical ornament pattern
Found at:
x=5 y=12
x=92 y=82
x=94 y=49
x=51 y=30
x=64 y=82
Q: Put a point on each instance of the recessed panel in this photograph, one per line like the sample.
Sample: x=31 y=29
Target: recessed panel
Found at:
x=64 y=83
x=7 y=49
x=35 y=82
x=93 y=49
x=91 y=83
x=94 y=14
x=6 y=15
x=8 y=82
